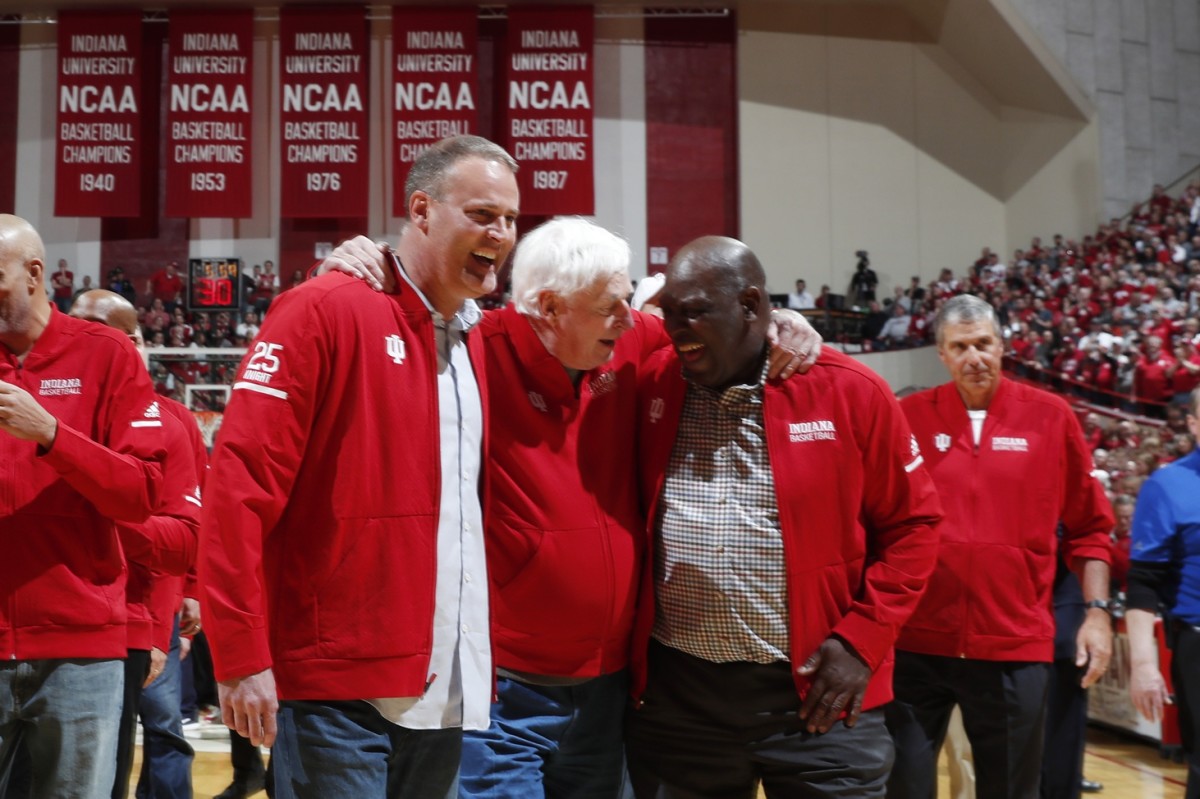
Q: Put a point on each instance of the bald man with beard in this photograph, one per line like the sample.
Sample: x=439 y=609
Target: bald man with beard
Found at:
x=159 y=552
x=81 y=447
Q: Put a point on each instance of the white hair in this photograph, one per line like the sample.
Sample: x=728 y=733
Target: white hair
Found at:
x=565 y=255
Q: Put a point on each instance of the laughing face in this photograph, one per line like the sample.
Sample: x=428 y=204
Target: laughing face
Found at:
x=588 y=323
x=716 y=322
x=471 y=228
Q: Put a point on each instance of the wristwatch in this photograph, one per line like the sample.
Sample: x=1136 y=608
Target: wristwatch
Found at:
x=1107 y=605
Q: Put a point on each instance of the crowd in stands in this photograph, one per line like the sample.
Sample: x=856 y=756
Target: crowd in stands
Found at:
x=1112 y=318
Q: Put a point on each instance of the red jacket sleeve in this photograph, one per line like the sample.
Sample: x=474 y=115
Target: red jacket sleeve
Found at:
x=900 y=512
x=121 y=474
x=166 y=542
x=163 y=604
x=254 y=465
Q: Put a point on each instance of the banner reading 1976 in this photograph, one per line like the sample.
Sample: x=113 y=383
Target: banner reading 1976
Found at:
x=435 y=82
x=209 y=71
x=98 y=169
x=323 y=87
x=550 y=107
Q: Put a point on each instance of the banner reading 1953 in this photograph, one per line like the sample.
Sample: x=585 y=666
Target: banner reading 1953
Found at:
x=435 y=82
x=323 y=87
x=98 y=169
x=209 y=71
x=550 y=107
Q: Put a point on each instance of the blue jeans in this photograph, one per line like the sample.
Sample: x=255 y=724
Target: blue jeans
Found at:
x=64 y=714
x=328 y=749
x=166 y=754
x=548 y=742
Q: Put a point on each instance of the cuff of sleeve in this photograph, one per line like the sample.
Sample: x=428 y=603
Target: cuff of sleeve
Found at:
x=870 y=641
x=240 y=654
x=69 y=447
x=1101 y=552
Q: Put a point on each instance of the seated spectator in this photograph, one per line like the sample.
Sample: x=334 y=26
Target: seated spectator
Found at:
x=1184 y=371
x=248 y=328
x=801 y=299
x=157 y=317
x=875 y=320
x=895 y=331
x=1151 y=381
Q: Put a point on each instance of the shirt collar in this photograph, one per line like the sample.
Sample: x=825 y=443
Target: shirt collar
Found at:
x=466 y=317
x=735 y=395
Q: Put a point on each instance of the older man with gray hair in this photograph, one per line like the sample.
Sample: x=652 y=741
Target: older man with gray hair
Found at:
x=982 y=636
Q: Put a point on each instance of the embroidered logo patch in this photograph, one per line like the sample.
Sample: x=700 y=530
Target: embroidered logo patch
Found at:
x=942 y=442
x=60 y=386
x=395 y=348
x=816 y=430
x=1009 y=444
x=657 y=408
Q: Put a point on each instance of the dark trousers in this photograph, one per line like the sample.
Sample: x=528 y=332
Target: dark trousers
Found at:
x=1066 y=732
x=715 y=730
x=137 y=668
x=1185 y=675
x=244 y=757
x=1003 y=708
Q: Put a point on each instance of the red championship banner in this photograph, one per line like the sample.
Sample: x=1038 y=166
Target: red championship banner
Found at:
x=98 y=170
x=209 y=71
x=435 y=83
x=323 y=88
x=550 y=107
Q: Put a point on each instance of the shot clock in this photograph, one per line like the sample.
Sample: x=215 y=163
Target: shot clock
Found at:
x=214 y=284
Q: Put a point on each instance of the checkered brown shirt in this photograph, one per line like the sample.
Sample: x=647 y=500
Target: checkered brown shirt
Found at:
x=721 y=583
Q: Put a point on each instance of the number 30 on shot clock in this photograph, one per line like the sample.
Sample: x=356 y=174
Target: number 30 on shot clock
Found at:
x=213 y=284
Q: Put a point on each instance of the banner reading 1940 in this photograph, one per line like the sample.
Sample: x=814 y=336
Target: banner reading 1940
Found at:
x=98 y=169
x=435 y=82
x=323 y=77
x=209 y=73
x=550 y=107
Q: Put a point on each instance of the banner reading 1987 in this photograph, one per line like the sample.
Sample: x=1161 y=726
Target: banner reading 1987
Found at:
x=323 y=77
x=98 y=169
x=209 y=71
x=550 y=107
x=435 y=82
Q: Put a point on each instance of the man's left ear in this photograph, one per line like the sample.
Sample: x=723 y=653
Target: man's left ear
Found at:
x=751 y=300
x=37 y=270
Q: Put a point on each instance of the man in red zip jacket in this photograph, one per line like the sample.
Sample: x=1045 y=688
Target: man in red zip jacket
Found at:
x=81 y=446
x=342 y=554
x=1011 y=465
x=158 y=551
x=793 y=532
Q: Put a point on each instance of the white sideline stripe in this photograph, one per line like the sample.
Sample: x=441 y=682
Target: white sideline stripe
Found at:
x=145 y=424
x=920 y=459
x=193 y=500
x=270 y=392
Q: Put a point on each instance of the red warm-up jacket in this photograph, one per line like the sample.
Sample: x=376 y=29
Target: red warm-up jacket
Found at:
x=565 y=535
x=856 y=507
x=62 y=573
x=319 y=528
x=990 y=596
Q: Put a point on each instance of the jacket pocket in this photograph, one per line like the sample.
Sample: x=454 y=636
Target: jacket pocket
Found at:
x=377 y=601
